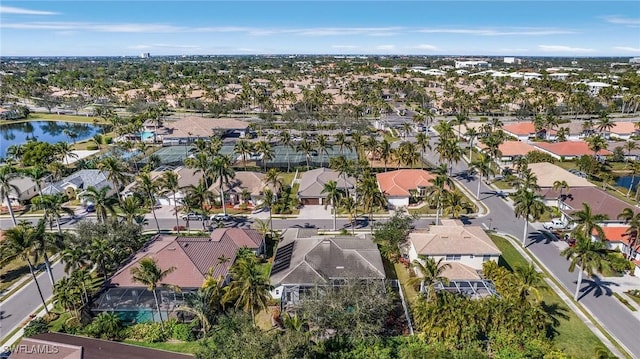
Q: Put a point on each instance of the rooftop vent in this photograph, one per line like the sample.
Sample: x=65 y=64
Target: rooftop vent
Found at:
x=339 y=267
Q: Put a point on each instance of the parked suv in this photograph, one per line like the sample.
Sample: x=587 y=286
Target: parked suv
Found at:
x=191 y=216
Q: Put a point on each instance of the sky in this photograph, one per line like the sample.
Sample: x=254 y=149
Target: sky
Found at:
x=207 y=27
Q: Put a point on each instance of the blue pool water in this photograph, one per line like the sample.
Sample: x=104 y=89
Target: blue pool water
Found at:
x=146 y=135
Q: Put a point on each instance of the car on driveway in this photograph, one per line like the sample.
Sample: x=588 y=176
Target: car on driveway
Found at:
x=219 y=217
x=192 y=216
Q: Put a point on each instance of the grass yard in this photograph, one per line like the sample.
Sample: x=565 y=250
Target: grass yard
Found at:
x=177 y=347
x=56 y=117
x=13 y=270
x=573 y=337
x=287 y=177
x=402 y=274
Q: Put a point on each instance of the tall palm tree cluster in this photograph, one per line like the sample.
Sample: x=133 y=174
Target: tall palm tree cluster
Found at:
x=444 y=196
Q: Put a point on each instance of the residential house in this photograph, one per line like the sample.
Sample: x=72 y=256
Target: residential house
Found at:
x=194 y=258
x=633 y=155
x=622 y=130
x=188 y=129
x=312 y=183
x=617 y=238
x=304 y=260
x=510 y=150
x=572 y=201
x=248 y=182
x=67 y=346
x=402 y=185
x=73 y=185
x=464 y=248
x=548 y=173
x=27 y=189
x=568 y=150
x=524 y=131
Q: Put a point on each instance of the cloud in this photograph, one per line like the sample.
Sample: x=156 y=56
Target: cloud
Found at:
x=23 y=11
x=424 y=47
x=96 y=27
x=621 y=20
x=627 y=48
x=562 y=48
x=386 y=47
x=493 y=32
x=162 y=46
x=344 y=47
x=513 y=50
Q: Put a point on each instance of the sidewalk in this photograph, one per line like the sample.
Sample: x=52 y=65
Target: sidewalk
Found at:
x=566 y=299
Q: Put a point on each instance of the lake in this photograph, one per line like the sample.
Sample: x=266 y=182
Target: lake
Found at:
x=45 y=131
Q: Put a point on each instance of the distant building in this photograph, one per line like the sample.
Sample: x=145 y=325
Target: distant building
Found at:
x=634 y=60
x=145 y=55
x=512 y=60
x=472 y=64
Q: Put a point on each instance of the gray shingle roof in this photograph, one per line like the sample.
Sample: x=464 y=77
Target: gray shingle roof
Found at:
x=319 y=258
x=312 y=182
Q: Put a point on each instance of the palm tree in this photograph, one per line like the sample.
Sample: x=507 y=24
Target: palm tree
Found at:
x=529 y=206
x=587 y=222
x=272 y=178
x=37 y=174
x=560 y=186
x=68 y=296
x=385 y=152
x=633 y=220
x=341 y=141
x=101 y=200
x=130 y=208
x=424 y=142
x=586 y=255
x=222 y=172
x=149 y=187
x=285 y=140
x=634 y=166
x=596 y=144
x=455 y=203
x=52 y=205
x=7 y=175
x=484 y=166
x=351 y=206
x=604 y=123
x=529 y=282
x=370 y=195
x=323 y=146
x=249 y=287
x=65 y=152
x=20 y=241
x=74 y=258
x=264 y=149
x=333 y=195
x=115 y=171
x=243 y=148
x=471 y=134
x=407 y=154
x=44 y=243
x=168 y=183
x=306 y=147
x=150 y=274
x=268 y=198
x=432 y=272
x=202 y=163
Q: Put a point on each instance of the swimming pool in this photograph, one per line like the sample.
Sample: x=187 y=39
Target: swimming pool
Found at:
x=144 y=136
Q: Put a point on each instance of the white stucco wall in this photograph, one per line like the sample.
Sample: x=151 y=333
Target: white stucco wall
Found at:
x=474 y=262
x=398 y=202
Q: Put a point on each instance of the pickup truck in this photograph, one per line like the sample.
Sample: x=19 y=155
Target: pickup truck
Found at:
x=555 y=223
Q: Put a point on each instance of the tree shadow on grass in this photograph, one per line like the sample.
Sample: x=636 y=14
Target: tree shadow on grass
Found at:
x=597 y=286
x=14 y=274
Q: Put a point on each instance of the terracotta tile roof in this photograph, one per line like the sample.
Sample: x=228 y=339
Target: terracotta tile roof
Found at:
x=548 y=173
x=191 y=256
x=522 y=128
x=76 y=347
x=615 y=233
x=569 y=148
x=451 y=237
x=398 y=183
x=623 y=128
x=512 y=148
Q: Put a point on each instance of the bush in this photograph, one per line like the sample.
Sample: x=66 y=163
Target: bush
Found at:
x=183 y=332
x=105 y=326
x=147 y=332
x=92 y=147
x=35 y=327
x=179 y=228
x=106 y=140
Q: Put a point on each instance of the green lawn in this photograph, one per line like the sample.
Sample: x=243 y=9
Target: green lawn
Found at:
x=12 y=271
x=55 y=117
x=574 y=337
x=287 y=177
x=177 y=347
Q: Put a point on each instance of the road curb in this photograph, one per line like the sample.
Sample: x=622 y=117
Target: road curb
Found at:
x=577 y=307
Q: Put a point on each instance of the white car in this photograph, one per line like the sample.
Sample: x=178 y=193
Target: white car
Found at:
x=191 y=216
x=554 y=224
x=219 y=217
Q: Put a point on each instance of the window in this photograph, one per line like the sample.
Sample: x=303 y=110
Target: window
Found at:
x=277 y=291
x=486 y=258
x=453 y=257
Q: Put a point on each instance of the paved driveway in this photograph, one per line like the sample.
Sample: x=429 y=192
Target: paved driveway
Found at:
x=315 y=212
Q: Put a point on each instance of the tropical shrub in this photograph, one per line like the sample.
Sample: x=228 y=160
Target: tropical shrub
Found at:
x=35 y=327
x=147 y=332
x=105 y=326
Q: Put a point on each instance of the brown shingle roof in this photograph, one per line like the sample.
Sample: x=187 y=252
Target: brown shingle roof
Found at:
x=548 y=173
x=192 y=257
x=65 y=346
x=600 y=201
x=398 y=183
